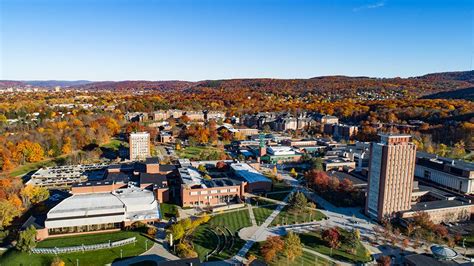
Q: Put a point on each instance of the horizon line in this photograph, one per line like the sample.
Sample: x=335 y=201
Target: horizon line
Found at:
x=235 y=78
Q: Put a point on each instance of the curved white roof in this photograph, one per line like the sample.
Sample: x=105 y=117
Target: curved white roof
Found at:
x=86 y=205
x=129 y=204
x=443 y=252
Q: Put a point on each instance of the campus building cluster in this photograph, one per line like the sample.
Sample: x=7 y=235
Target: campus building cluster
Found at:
x=121 y=194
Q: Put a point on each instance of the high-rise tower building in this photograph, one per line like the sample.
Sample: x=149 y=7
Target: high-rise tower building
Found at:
x=391 y=173
x=139 y=145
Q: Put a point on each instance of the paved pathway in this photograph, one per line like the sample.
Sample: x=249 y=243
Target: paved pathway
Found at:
x=261 y=230
x=156 y=253
x=252 y=215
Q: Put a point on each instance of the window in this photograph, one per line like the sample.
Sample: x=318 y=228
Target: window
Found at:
x=427 y=174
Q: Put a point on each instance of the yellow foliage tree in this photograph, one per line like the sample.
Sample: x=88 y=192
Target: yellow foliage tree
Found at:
x=34 y=194
x=67 y=146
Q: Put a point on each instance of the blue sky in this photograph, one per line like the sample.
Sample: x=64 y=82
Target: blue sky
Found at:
x=216 y=39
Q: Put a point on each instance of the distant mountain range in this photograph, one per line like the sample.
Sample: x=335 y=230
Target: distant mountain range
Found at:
x=44 y=83
x=54 y=83
x=431 y=84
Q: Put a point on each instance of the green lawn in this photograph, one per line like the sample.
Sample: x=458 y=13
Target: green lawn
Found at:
x=114 y=144
x=314 y=241
x=99 y=257
x=278 y=195
x=306 y=259
x=26 y=168
x=168 y=210
x=259 y=201
x=281 y=186
x=204 y=241
x=285 y=217
x=200 y=153
x=85 y=239
x=262 y=213
x=469 y=241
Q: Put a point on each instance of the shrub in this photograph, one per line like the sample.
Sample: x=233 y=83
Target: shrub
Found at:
x=151 y=231
x=3 y=234
x=184 y=250
x=57 y=262
x=138 y=226
x=27 y=239
x=332 y=237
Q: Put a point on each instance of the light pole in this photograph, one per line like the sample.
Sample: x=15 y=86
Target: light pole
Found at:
x=464 y=246
x=77 y=262
x=121 y=253
x=146 y=245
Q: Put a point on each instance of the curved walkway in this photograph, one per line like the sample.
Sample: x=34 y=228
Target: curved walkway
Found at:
x=157 y=253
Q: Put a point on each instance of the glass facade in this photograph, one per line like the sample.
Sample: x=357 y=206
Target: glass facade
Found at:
x=84 y=228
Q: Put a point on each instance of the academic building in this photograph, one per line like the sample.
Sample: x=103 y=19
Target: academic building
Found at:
x=105 y=211
x=139 y=146
x=391 y=171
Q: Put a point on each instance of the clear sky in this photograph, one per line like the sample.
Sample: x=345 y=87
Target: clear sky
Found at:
x=216 y=39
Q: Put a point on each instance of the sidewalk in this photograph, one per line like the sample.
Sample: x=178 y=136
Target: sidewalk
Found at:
x=261 y=230
x=250 y=209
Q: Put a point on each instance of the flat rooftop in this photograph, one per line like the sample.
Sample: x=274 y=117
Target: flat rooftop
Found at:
x=438 y=204
x=221 y=182
x=441 y=161
x=435 y=191
x=72 y=171
x=425 y=259
x=248 y=173
x=341 y=176
x=190 y=176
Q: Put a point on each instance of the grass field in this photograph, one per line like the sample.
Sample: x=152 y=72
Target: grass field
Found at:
x=259 y=201
x=204 y=241
x=469 y=241
x=285 y=217
x=313 y=241
x=200 y=153
x=115 y=144
x=168 y=210
x=280 y=186
x=278 y=195
x=306 y=259
x=99 y=257
x=262 y=213
x=26 y=168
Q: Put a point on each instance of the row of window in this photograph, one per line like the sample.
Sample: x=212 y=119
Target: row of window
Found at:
x=205 y=192
x=84 y=228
